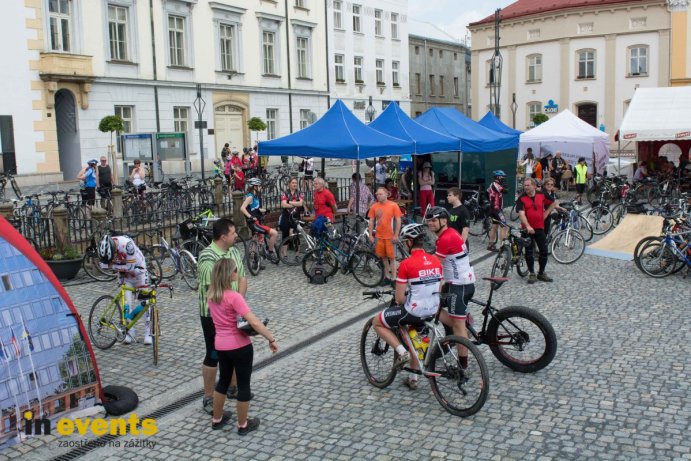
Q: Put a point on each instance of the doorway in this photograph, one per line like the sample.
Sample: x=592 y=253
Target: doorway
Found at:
x=67 y=125
x=588 y=113
x=228 y=128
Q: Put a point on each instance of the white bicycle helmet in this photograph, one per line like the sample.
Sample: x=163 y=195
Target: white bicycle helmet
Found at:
x=254 y=182
x=412 y=231
x=106 y=249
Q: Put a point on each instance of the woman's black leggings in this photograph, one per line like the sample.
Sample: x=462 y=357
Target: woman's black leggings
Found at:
x=239 y=360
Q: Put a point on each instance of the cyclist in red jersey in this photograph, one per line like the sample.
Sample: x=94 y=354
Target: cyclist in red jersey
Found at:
x=420 y=275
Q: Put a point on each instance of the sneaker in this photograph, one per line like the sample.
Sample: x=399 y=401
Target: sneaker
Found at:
x=273 y=257
x=410 y=383
x=233 y=393
x=532 y=278
x=129 y=338
x=147 y=334
x=401 y=361
x=544 y=277
x=225 y=419
x=208 y=404
x=252 y=425
x=491 y=248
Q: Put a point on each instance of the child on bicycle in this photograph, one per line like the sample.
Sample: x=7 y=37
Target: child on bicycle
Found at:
x=121 y=254
x=420 y=275
x=251 y=209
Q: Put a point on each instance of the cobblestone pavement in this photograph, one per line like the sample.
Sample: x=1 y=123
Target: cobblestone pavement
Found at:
x=618 y=387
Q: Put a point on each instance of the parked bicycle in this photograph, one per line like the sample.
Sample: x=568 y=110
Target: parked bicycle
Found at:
x=511 y=253
x=4 y=179
x=175 y=260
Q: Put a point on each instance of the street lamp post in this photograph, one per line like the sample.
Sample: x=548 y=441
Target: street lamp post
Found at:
x=199 y=105
x=514 y=107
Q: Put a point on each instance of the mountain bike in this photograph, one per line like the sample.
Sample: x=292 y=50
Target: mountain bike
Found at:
x=107 y=320
x=174 y=260
x=511 y=253
x=257 y=252
x=462 y=391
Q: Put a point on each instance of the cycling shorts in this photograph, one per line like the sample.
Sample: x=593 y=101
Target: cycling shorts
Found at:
x=459 y=310
x=258 y=228
x=397 y=316
x=498 y=215
x=384 y=249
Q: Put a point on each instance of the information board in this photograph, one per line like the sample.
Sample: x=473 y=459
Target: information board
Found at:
x=137 y=146
x=170 y=146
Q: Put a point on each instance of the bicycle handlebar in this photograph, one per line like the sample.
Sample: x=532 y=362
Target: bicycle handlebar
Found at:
x=376 y=294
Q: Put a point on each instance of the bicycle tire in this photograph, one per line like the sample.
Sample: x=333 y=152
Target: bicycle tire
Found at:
x=593 y=194
x=292 y=250
x=460 y=391
x=92 y=266
x=377 y=358
x=512 y=337
x=521 y=265
x=105 y=317
x=168 y=267
x=476 y=227
x=367 y=268
x=16 y=189
x=657 y=262
x=193 y=246
x=153 y=266
x=188 y=269
x=253 y=258
x=585 y=228
x=324 y=257
x=502 y=263
x=637 y=251
x=600 y=218
x=155 y=333
x=618 y=213
x=568 y=246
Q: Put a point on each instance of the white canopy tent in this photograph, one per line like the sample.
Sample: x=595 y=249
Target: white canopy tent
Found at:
x=658 y=114
x=571 y=136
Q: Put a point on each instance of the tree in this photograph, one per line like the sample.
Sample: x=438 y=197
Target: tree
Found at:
x=256 y=124
x=111 y=123
x=539 y=118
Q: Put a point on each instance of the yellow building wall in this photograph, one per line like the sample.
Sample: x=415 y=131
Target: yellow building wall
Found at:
x=681 y=49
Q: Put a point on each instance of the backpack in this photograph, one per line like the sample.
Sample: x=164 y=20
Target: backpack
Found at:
x=317 y=274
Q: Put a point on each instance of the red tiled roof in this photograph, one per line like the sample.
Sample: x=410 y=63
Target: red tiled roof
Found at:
x=533 y=7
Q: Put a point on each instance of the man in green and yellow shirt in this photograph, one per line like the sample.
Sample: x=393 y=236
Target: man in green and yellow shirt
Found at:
x=581 y=176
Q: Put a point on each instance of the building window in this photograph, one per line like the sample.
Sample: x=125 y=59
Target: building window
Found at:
x=180 y=119
x=441 y=85
x=338 y=15
x=431 y=53
x=431 y=85
x=535 y=68
x=455 y=56
x=60 y=21
x=227 y=34
x=586 y=64
x=417 y=83
x=117 y=30
x=176 y=40
x=268 y=47
x=394 y=26
x=638 y=60
x=533 y=109
x=339 y=69
x=395 y=66
x=491 y=72
x=356 y=17
x=304 y=118
x=302 y=52
x=441 y=54
x=271 y=123
x=380 y=71
x=417 y=50
x=455 y=87
x=357 y=68
x=300 y=3
x=377 y=21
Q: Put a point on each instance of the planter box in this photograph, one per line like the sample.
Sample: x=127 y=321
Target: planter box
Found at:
x=65 y=269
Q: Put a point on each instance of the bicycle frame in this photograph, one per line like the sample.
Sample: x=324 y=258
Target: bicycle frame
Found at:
x=673 y=242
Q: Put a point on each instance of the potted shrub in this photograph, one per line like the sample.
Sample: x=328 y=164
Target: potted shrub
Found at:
x=64 y=264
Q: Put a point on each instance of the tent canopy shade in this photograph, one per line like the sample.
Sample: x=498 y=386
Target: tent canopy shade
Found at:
x=394 y=122
x=493 y=123
x=658 y=114
x=337 y=134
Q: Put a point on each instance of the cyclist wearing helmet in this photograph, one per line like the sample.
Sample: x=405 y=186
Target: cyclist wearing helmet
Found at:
x=252 y=210
x=459 y=277
x=416 y=296
x=90 y=178
x=120 y=253
x=496 y=202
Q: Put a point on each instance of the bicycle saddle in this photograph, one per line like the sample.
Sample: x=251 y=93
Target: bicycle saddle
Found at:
x=496 y=282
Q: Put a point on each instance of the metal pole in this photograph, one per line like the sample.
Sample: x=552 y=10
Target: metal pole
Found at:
x=200 y=110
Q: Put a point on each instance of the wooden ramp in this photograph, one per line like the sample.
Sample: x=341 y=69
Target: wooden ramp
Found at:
x=622 y=240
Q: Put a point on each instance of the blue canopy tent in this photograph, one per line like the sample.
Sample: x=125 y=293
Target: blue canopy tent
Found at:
x=482 y=150
x=337 y=134
x=493 y=123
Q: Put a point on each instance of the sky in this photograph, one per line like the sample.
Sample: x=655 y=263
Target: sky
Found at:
x=453 y=16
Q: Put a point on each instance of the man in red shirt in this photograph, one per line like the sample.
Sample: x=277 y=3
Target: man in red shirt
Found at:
x=324 y=202
x=532 y=213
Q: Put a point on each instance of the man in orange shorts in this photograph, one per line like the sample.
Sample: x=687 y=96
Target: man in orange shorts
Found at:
x=387 y=216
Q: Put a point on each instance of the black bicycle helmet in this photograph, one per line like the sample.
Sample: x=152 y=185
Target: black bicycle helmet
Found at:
x=106 y=249
x=437 y=212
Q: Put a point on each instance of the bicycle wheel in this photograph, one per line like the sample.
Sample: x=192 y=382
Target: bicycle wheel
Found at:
x=377 y=358
x=657 y=259
x=193 y=246
x=618 y=213
x=153 y=266
x=292 y=250
x=320 y=256
x=92 y=266
x=462 y=391
x=522 y=339
x=77 y=220
x=502 y=263
x=567 y=246
x=105 y=322
x=641 y=244
x=520 y=264
x=367 y=268
x=476 y=226
x=585 y=228
x=155 y=333
x=15 y=188
x=165 y=260
x=593 y=194
x=252 y=257
x=188 y=269
x=600 y=219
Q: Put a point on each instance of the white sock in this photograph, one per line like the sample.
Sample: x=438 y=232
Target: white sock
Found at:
x=400 y=349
